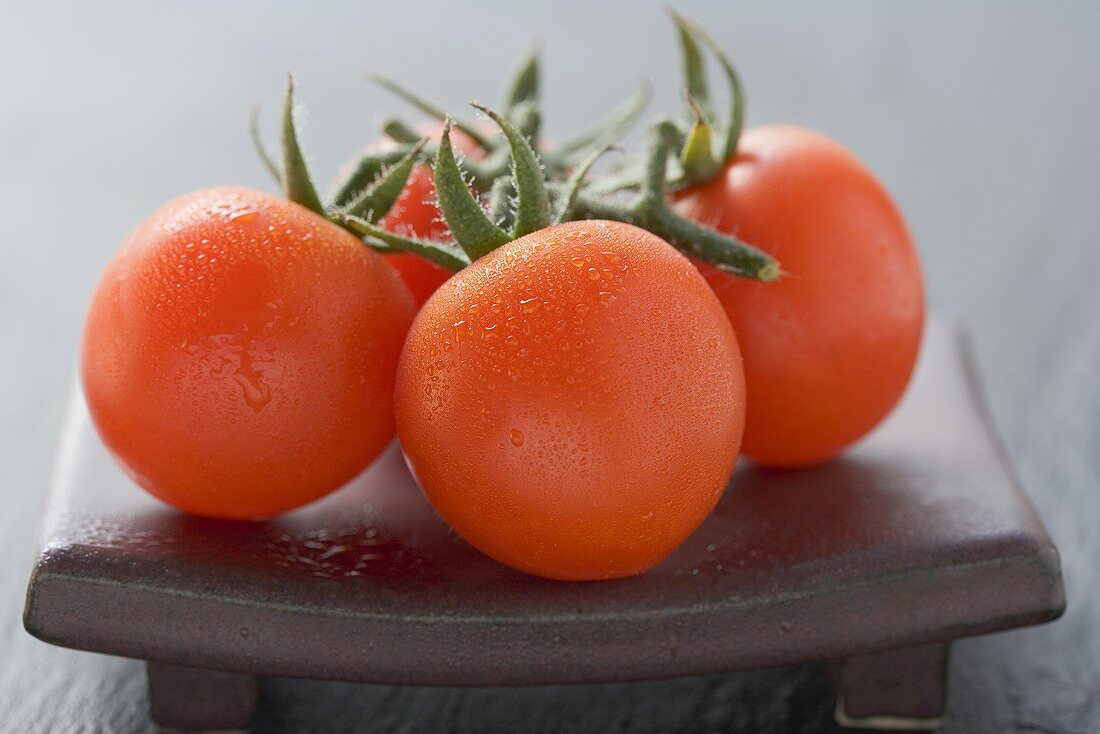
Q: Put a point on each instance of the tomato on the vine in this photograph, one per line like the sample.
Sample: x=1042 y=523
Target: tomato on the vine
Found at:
x=239 y=354
x=572 y=403
x=830 y=346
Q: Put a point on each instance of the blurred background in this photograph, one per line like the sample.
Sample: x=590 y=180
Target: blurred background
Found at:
x=982 y=118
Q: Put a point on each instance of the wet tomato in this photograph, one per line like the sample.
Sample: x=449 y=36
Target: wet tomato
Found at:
x=239 y=354
x=829 y=347
x=573 y=402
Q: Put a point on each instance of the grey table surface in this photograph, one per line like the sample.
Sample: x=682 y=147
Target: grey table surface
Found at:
x=983 y=119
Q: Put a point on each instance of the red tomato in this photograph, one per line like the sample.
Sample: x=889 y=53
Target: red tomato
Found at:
x=572 y=403
x=829 y=347
x=239 y=354
x=415 y=212
x=422 y=277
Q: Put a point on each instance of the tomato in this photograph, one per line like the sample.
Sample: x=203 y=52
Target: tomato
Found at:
x=829 y=347
x=416 y=213
x=572 y=403
x=422 y=277
x=239 y=354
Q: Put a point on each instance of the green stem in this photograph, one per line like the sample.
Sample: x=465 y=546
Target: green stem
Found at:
x=724 y=252
x=664 y=137
x=605 y=133
x=575 y=183
x=297 y=184
x=525 y=82
x=532 y=197
x=500 y=202
x=261 y=149
x=440 y=253
x=474 y=232
x=650 y=210
x=366 y=169
x=399 y=132
x=430 y=109
x=375 y=202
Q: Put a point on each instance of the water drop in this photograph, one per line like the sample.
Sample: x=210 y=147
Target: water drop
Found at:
x=246 y=215
x=516 y=436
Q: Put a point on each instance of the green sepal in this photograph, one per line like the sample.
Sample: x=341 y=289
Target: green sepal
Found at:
x=376 y=201
x=501 y=196
x=365 y=170
x=695 y=81
x=297 y=184
x=532 y=196
x=603 y=133
x=695 y=73
x=697 y=154
x=261 y=149
x=430 y=109
x=440 y=253
x=528 y=120
x=650 y=210
x=474 y=232
x=723 y=251
x=399 y=132
x=664 y=137
x=575 y=183
x=524 y=86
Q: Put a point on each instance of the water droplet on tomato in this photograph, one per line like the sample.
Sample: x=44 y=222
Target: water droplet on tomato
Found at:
x=516 y=437
x=245 y=215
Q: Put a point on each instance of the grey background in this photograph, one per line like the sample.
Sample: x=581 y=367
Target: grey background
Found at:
x=983 y=119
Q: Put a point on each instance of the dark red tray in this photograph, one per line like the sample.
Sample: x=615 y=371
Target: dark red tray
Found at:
x=917 y=537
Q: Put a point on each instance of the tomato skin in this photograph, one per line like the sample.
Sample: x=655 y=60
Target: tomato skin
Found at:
x=239 y=353
x=572 y=403
x=422 y=277
x=828 y=348
x=415 y=213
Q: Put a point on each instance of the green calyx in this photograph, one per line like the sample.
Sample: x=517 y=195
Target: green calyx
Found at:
x=365 y=195
x=650 y=210
x=514 y=188
x=700 y=160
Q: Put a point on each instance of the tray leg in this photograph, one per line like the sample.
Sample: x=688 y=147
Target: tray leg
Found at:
x=896 y=690
x=195 y=699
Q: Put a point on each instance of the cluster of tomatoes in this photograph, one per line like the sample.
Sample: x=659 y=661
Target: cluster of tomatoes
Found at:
x=573 y=399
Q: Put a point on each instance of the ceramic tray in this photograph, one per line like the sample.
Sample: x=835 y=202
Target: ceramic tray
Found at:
x=919 y=536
